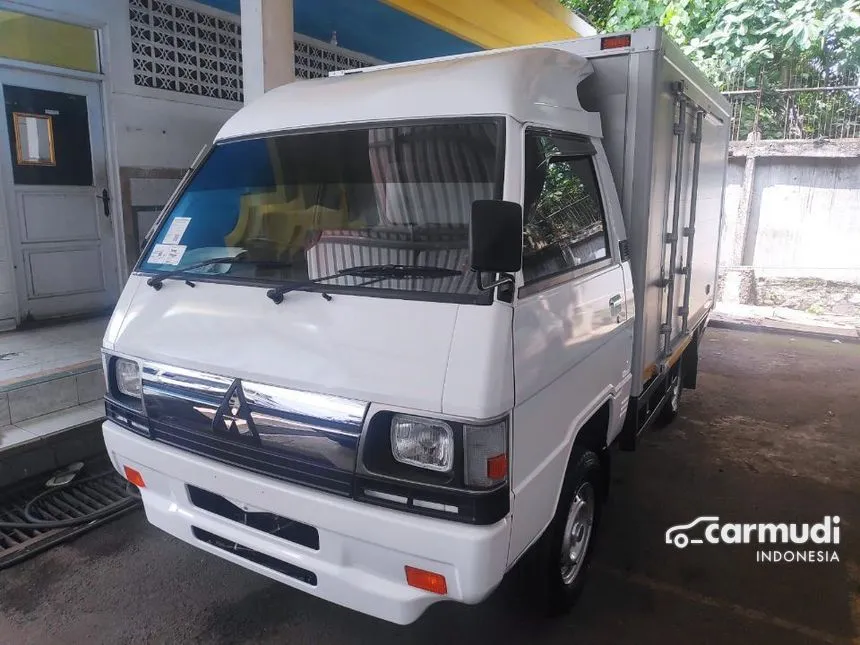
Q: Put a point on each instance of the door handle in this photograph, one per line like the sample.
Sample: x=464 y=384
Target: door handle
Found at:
x=615 y=305
x=105 y=197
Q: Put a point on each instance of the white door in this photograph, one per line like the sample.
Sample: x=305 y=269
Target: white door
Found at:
x=54 y=180
x=572 y=338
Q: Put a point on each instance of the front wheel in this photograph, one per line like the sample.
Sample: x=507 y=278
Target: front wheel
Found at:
x=561 y=557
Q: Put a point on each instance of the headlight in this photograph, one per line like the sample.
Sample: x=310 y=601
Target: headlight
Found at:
x=127 y=377
x=426 y=443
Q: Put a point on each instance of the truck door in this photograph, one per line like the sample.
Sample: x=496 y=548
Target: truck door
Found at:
x=572 y=318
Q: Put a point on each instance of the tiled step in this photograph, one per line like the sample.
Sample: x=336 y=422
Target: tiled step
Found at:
x=34 y=397
x=52 y=351
x=51 y=389
x=50 y=421
x=46 y=443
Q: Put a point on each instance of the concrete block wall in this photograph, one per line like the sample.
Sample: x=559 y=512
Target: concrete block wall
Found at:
x=792 y=225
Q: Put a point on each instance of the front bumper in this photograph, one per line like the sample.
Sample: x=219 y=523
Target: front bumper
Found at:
x=362 y=549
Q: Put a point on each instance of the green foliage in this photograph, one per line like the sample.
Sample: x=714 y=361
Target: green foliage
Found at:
x=595 y=12
x=725 y=37
x=767 y=44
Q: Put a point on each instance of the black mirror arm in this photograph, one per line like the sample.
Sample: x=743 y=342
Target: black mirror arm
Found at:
x=505 y=279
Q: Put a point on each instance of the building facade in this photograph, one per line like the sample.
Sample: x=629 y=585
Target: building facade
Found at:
x=107 y=103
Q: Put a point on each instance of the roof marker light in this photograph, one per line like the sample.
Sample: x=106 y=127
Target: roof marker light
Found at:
x=615 y=42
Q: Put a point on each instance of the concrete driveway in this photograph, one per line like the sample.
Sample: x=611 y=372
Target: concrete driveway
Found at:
x=771 y=435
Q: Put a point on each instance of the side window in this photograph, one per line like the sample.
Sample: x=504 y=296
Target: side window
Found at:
x=564 y=225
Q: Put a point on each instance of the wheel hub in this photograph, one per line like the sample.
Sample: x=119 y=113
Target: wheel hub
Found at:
x=577 y=532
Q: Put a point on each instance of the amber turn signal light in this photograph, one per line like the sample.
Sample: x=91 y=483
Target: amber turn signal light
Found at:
x=134 y=477
x=497 y=467
x=426 y=580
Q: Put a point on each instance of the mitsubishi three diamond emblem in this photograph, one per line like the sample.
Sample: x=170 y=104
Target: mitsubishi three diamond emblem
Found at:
x=233 y=417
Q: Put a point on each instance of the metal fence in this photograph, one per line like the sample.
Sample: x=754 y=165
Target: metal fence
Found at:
x=802 y=105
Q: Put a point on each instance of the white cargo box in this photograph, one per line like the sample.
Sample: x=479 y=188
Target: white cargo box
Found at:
x=637 y=90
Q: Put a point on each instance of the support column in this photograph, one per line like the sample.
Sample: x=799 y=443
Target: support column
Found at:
x=745 y=204
x=268 y=48
x=739 y=280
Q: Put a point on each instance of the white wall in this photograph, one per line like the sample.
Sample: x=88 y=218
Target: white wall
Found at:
x=8 y=293
x=805 y=218
x=149 y=127
x=145 y=128
x=157 y=133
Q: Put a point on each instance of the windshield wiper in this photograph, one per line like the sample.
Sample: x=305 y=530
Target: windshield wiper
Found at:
x=375 y=273
x=400 y=271
x=155 y=281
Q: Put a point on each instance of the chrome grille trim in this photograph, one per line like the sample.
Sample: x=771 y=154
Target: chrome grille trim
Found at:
x=303 y=437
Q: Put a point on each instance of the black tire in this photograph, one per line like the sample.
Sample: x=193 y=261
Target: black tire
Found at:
x=546 y=584
x=675 y=388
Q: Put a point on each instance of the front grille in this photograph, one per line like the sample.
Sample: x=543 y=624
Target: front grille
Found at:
x=255 y=459
x=270 y=523
x=301 y=437
x=291 y=570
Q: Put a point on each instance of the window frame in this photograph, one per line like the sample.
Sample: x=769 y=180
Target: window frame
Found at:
x=20 y=117
x=37 y=13
x=553 y=280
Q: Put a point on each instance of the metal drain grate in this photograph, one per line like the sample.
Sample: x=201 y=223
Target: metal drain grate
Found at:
x=72 y=502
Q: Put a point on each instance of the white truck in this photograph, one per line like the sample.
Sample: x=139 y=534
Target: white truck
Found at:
x=383 y=337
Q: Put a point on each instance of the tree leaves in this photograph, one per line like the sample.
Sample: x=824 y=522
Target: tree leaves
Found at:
x=766 y=44
x=725 y=37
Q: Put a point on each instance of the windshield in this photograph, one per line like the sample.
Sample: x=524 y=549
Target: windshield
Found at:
x=298 y=207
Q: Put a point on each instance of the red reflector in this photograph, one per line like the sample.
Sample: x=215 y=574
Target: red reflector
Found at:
x=426 y=580
x=614 y=42
x=497 y=467
x=134 y=477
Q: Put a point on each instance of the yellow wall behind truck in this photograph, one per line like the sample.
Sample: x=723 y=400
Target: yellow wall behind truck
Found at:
x=494 y=23
x=38 y=40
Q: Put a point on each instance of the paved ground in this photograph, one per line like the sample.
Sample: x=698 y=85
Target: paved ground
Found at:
x=844 y=328
x=770 y=435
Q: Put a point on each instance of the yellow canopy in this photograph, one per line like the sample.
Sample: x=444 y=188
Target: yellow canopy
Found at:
x=498 y=23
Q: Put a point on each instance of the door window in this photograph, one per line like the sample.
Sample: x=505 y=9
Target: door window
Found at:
x=49 y=137
x=564 y=225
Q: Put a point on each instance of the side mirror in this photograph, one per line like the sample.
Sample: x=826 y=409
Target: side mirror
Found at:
x=496 y=238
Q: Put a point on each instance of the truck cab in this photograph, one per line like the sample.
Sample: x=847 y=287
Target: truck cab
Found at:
x=380 y=340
